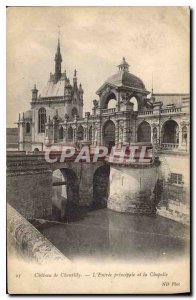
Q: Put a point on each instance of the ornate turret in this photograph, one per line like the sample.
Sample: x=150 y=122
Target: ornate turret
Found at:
x=81 y=91
x=34 y=93
x=58 y=61
x=124 y=66
x=68 y=90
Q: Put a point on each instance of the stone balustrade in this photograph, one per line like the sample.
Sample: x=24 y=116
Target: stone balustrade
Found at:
x=171 y=110
x=144 y=113
x=169 y=146
x=108 y=110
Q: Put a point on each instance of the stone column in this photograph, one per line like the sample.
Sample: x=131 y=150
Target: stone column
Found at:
x=117 y=133
x=74 y=135
x=21 y=127
x=99 y=138
x=125 y=130
x=65 y=133
x=93 y=133
x=180 y=137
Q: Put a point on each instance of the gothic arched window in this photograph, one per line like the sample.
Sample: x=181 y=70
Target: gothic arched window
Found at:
x=70 y=134
x=80 y=133
x=28 y=127
x=41 y=119
x=61 y=133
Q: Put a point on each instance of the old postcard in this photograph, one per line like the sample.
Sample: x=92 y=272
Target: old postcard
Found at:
x=98 y=150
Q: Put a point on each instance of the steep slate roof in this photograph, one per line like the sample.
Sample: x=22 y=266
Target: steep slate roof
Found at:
x=54 y=89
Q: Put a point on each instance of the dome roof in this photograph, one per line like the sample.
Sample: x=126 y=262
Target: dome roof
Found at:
x=124 y=78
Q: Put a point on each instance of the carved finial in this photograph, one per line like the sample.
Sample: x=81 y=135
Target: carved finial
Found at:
x=152 y=84
x=75 y=73
x=19 y=117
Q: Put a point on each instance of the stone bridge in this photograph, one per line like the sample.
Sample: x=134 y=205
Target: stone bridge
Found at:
x=31 y=182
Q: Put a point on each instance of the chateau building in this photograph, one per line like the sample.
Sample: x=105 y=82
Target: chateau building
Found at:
x=137 y=115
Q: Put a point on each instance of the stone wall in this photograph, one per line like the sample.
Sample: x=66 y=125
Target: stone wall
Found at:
x=30 y=192
x=174 y=203
x=28 y=241
x=133 y=190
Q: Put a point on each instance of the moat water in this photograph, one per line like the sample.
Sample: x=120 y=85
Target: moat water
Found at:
x=103 y=234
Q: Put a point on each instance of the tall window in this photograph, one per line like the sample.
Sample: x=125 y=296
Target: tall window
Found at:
x=80 y=133
x=170 y=132
x=144 y=132
x=42 y=119
x=70 y=134
x=61 y=133
x=28 y=128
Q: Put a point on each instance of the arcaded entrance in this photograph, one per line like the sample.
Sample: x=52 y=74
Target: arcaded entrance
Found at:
x=109 y=134
x=144 y=132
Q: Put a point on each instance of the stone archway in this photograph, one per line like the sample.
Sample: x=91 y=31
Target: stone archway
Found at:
x=65 y=194
x=109 y=134
x=144 y=132
x=101 y=184
x=109 y=101
x=135 y=103
x=170 y=132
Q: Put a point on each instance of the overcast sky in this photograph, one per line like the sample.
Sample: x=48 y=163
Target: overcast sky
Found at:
x=93 y=41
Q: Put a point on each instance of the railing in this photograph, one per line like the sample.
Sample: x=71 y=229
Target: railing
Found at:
x=169 y=146
x=171 y=110
x=108 y=110
x=163 y=111
x=147 y=112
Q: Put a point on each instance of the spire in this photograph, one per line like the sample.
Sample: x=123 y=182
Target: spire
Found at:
x=152 y=85
x=124 y=66
x=58 y=60
x=81 y=92
x=75 y=79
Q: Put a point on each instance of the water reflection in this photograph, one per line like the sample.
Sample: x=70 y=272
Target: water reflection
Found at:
x=106 y=235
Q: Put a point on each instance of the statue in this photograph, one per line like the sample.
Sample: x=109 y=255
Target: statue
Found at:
x=96 y=103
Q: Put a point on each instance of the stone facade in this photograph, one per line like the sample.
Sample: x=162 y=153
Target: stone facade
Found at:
x=56 y=117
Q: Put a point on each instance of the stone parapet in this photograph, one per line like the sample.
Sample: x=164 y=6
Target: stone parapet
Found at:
x=29 y=241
